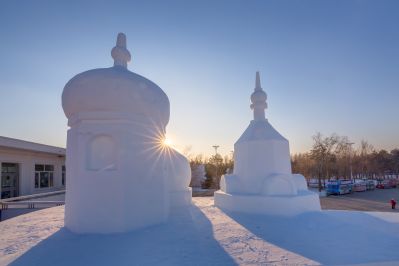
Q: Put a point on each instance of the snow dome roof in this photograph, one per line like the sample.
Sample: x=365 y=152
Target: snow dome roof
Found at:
x=116 y=90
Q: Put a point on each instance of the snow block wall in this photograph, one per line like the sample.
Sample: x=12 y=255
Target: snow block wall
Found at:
x=120 y=175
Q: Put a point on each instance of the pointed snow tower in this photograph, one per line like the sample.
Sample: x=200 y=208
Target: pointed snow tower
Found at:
x=120 y=176
x=262 y=181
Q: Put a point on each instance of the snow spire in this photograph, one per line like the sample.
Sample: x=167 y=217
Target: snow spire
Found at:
x=258 y=99
x=119 y=53
x=257 y=82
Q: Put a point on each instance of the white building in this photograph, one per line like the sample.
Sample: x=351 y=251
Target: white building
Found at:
x=30 y=168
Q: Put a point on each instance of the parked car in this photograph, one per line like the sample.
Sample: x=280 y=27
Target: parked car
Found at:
x=339 y=187
x=314 y=183
x=384 y=184
x=370 y=185
x=360 y=186
x=393 y=182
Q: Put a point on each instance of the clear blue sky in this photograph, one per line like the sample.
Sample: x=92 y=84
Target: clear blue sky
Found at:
x=328 y=66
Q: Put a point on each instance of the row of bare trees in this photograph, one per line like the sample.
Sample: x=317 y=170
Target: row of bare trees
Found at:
x=334 y=156
x=330 y=156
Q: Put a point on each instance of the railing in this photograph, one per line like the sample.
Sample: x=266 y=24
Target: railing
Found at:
x=26 y=202
x=29 y=204
x=33 y=196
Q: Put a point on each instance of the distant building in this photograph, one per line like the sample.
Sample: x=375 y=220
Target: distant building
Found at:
x=30 y=168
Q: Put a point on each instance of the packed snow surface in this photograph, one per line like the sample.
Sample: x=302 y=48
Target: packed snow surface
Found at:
x=204 y=235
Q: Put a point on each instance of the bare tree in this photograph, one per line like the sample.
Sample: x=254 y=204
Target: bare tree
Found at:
x=187 y=151
x=395 y=161
x=322 y=153
x=303 y=163
x=344 y=154
x=364 y=158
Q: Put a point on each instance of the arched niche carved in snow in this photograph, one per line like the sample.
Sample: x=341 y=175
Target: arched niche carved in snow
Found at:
x=279 y=185
x=101 y=153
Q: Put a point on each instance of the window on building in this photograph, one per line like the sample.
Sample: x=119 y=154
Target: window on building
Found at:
x=44 y=175
x=63 y=175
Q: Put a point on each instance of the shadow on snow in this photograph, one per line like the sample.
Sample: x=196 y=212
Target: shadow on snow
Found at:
x=328 y=237
x=187 y=239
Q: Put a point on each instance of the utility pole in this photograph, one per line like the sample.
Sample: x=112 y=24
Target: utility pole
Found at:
x=216 y=148
x=216 y=165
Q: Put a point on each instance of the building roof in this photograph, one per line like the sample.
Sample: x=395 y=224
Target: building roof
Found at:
x=30 y=146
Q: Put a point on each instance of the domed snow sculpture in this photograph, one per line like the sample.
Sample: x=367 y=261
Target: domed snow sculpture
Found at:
x=120 y=176
x=262 y=181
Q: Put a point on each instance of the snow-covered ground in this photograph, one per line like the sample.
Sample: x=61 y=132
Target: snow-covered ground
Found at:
x=204 y=235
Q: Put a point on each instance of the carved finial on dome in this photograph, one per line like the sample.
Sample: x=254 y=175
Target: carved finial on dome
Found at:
x=257 y=82
x=258 y=99
x=119 y=53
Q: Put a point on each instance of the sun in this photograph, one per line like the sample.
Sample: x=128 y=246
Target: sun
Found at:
x=167 y=142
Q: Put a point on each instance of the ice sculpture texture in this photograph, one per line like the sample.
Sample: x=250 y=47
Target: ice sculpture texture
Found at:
x=262 y=181
x=120 y=175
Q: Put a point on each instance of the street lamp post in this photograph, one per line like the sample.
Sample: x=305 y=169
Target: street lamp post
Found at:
x=350 y=158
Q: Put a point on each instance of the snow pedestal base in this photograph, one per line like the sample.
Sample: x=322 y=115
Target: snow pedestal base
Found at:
x=305 y=201
x=180 y=198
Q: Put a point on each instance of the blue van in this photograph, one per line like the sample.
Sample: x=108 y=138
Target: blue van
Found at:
x=339 y=187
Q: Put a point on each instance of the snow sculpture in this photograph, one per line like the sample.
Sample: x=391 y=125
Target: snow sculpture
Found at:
x=120 y=176
x=197 y=175
x=262 y=181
